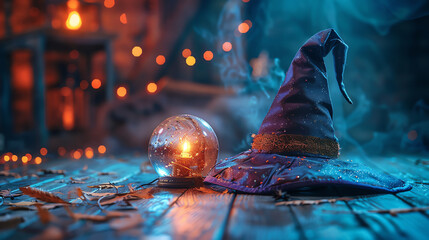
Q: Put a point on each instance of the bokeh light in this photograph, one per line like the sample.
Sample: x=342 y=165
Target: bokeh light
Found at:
x=77 y=154
x=29 y=156
x=152 y=87
x=73 y=4
x=412 y=135
x=227 y=46
x=24 y=159
x=73 y=21
x=186 y=52
x=190 y=61
x=102 y=149
x=137 y=51
x=243 y=27
x=123 y=18
x=38 y=160
x=208 y=55
x=121 y=92
x=43 y=151
x=96 y=83
x=248 y=22
x=89 y=153
x=6 y=158
x=160 y=59
x=109 y=3
x=14 y=158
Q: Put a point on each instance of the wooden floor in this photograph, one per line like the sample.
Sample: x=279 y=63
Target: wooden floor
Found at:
x=193 y=214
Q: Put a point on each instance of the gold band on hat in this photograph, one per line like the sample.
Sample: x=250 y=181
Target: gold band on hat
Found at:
x=296 y=144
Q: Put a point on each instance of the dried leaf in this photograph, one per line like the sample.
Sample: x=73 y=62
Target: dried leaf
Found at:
x=50 y=171
x=22 y=204
x=130 y=187
x=41 y=195
x=124 y=223
x=9 y=174
x=32 y=206
x=312 y=202
x=95 y=218
x=7 y=222
x=7 y=194
x=106 y=173
x=44 y=214
x=50 y=233
x=78 y=180
x=142 y=193
x=106 y=186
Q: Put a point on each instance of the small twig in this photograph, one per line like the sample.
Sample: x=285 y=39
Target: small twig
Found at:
x=145 y=184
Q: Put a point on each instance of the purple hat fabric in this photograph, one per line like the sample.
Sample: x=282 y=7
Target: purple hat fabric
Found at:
x=296 y=147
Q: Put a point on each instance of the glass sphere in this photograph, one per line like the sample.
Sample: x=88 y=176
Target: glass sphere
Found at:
x=183 y=146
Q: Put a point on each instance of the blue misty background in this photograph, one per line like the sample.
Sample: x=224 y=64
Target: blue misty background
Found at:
x=386 y=72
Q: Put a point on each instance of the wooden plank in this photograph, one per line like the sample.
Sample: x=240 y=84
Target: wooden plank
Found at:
x=257 y=217
x=195 y=215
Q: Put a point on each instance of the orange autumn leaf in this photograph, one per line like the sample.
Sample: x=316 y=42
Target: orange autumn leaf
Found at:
x=41 y=195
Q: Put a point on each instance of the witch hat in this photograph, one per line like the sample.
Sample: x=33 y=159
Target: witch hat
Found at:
x=296 y=147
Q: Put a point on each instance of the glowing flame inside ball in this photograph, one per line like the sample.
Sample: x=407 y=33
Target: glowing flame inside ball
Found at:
x=73 y=21
x=183 y=146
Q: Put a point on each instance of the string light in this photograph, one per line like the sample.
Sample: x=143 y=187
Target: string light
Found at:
x=121 y=92
x=109 y=3
x=43 y=151
x=24 y=159
x=243 y=27
x=160 y=59
x=123 y=18
x=96 y=83
x=137 y=51
x=89 y=153
x=73 y=21
x=208 y=55
x=227 y=46
x=6 y=158
x=190 y=61
x=102 y=149
x=14 y=158
x=152 y=87
x=38 y=160
x=77 y=154
x=29 y=156
x=186 y=53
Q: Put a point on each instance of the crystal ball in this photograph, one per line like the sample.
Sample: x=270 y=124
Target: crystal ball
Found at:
x=183 y=146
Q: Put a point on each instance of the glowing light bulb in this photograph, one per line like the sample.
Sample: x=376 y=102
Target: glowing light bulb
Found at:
x=152 y=87
x=182 y=149
x=74 y=21
x=190 y=61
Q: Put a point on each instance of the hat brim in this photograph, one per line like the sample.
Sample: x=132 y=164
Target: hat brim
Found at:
x=265 y=173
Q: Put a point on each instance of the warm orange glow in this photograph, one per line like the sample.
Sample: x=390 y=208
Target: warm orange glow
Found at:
x=68 y=117
x=137 y=51
x=208 y=55
x=185 y=150
x=245 y=1
x=77 y=154
x=73 y=4
x=190 y=61
x=186 y=53
x=121 y=91
x=14 y=158
x=6 y=158
x=84 y=84
x=227 y=46
x=102 y=149
x=243 y=27
x=24 y=159
x=160 y=60
x=109 y=3
x=61 y=151
x=96 y=83
x=38 y=160
x=152 y=87
x=73 y=21
x=43 y=151
x=89 y=153
x=123 y=18
x=29 y=156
